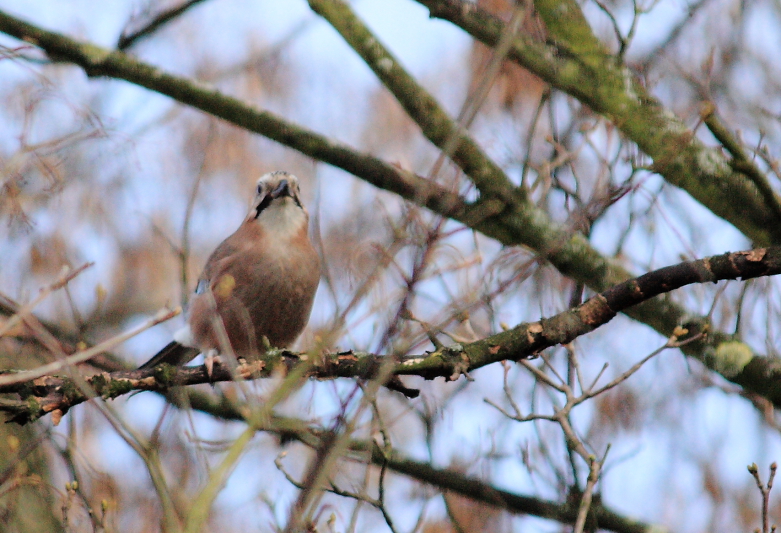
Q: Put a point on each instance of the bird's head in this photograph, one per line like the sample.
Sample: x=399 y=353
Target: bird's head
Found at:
x=277 y=205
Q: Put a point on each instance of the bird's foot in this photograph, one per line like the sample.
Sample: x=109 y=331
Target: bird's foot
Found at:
x=209 y=359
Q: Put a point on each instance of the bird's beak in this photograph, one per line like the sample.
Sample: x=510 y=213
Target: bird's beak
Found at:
x=283 y=189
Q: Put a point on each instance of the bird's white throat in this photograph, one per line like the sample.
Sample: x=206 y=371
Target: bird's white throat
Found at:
x=283 y=219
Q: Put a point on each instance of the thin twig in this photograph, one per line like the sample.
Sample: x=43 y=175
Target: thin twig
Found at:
x=128 y=40
x=765 y=490
x=741 y=161
x=595 y=467
x=66 y=277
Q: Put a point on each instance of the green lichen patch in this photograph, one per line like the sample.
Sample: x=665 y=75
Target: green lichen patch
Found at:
x=730 y=358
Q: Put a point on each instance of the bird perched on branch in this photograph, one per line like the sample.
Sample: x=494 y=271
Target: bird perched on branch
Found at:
x=259 y=282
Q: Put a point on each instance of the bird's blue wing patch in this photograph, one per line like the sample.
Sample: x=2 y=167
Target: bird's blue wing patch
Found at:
x=203 y=284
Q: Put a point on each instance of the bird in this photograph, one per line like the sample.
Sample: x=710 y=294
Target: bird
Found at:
x=259 y=282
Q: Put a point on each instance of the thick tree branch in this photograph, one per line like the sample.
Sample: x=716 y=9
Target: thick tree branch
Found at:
x=511 y=224
x=578 y=64
x=48 y=394
x=96 y=61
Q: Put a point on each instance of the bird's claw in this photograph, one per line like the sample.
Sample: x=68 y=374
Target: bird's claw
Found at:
x=209 y=359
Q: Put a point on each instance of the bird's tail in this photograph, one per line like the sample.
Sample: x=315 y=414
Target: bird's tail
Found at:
x=174 y=354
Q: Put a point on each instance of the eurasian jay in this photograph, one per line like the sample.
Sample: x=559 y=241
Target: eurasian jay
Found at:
x=259 y=282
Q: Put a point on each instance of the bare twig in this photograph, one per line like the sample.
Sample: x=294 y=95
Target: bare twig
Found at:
x=127 y=40
x=561 y=416
x=21 y=313
x=741 y=161
x=86 y=355
x=765 y=491
x=335 y=444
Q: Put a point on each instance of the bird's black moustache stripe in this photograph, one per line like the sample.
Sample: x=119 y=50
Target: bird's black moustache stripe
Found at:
x=267 y=202
x=263 y=204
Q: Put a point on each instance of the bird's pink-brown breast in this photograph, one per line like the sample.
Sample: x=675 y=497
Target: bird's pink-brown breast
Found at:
x=259 y=286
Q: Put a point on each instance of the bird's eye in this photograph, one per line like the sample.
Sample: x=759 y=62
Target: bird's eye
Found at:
x=260 y=188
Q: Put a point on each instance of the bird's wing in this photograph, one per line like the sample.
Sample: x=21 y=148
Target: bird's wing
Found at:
x=175 y=353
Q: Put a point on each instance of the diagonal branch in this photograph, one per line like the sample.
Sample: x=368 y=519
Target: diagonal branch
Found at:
x=420 y=105
x=126 y=40
x=41 y=396
x=581 y=66
x=741 y=162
